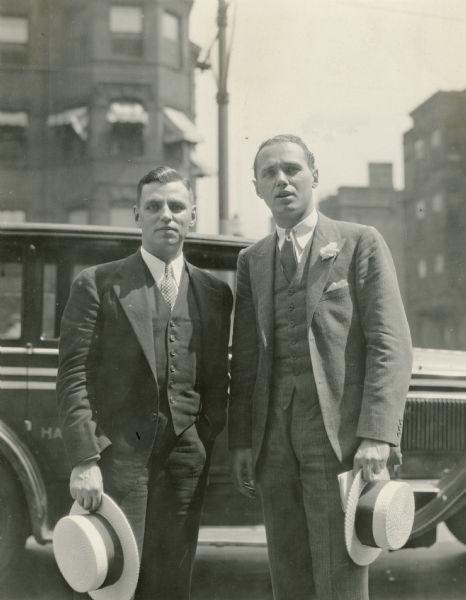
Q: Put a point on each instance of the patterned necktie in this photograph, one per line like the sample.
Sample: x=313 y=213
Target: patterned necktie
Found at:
x=168 y=286
x=288 y=257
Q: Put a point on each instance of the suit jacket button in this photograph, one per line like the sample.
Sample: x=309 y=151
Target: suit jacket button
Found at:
x=153 y=416
x=172 y=338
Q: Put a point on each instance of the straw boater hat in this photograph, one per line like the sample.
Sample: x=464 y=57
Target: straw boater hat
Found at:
x=379 y=516
x=97 y=552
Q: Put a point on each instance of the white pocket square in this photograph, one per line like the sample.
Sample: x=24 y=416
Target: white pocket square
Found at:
x=337 y=285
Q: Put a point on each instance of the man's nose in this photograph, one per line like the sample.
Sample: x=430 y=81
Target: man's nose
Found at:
x=282 y=179
x=166 y=214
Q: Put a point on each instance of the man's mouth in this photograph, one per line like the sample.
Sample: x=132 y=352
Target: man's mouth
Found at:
x=281 y=195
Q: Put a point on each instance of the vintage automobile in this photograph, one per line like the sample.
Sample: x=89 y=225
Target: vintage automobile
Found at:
x=38 y=263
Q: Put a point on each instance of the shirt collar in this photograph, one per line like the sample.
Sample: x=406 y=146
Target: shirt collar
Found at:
x=300 y=233
x=157 y=266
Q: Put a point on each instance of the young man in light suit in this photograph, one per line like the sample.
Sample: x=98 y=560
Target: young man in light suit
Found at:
x=142 y=384
x=320 y=371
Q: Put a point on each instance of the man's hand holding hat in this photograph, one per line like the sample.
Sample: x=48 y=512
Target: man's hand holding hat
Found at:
x=86 y=486
x=371 y=457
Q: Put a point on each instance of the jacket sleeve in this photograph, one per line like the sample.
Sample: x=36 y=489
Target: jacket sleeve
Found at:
x=244 y=360
x=387 y=339
x=78 y=361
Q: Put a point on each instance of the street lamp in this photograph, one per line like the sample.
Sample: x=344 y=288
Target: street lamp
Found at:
x=222 y=101
x=224 y=52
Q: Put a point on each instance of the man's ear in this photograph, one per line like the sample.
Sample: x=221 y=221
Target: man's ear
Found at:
x=256 y=187
x=193 y=215
x=136 y=214
x=315 y=173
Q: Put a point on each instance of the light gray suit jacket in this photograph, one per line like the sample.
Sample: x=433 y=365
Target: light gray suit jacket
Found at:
x=359 y=339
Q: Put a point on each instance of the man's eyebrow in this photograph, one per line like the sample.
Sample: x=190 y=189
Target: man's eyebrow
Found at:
x=267 y=168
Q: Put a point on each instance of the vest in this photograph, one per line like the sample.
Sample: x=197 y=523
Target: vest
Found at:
x=177 y=339
x=292 y=367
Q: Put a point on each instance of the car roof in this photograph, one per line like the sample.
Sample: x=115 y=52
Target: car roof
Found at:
x=103 y=231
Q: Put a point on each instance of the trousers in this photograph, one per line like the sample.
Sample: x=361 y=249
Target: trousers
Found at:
x=304 y=518
x=162 y=500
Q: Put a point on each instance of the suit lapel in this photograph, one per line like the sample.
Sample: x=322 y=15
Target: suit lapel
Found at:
x=326 y=232
x=137 y=301
x=262 y=278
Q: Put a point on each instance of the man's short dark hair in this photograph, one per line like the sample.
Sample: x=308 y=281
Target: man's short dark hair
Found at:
x=162 y=175
x=282 y=139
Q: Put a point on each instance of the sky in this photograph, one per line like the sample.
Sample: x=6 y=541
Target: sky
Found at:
x=342 y=74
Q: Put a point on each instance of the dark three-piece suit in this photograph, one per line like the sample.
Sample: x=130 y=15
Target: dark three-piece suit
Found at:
x=319 y=362
x=145 y=389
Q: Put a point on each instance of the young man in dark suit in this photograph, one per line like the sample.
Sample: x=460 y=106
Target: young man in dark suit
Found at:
x=320 y=371
x=142 y=384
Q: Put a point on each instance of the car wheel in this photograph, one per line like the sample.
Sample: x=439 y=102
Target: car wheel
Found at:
x=457 y=525
x=14 y=522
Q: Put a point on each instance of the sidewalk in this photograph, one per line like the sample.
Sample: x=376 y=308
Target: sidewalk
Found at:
x=232 y=536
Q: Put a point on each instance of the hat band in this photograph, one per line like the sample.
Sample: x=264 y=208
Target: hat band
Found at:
x=112 y=547
x=365 y=513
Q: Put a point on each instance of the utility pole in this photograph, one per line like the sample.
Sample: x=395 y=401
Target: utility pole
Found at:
x=222 y=101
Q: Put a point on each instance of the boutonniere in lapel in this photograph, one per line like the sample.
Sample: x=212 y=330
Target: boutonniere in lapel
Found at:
x=329 y=251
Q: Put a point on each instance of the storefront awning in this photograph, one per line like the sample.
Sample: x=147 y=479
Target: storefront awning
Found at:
x=199 y=167
x=179 y=128
x=127 y=112
x=13 y=119
x=77 y=118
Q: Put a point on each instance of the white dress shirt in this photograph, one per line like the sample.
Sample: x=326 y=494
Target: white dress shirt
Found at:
x=300 y=234
x=157 y=267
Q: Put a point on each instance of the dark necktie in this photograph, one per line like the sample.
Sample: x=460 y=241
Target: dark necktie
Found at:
x=288 y=257
x=168 y=286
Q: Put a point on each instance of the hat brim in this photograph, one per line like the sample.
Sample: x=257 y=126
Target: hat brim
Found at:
x=125 y=586
x=360 y=554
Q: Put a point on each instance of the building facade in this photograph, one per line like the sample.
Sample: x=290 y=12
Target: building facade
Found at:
x=435 y=201
x=94 y=94
x=380 y=205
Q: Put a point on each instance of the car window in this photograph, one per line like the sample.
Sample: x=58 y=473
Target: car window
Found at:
x=49 y=303
x=11 y=300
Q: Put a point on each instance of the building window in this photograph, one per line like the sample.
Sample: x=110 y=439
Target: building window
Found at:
x=171 y=40
x=422 y=269
x=436 y=138
x=437 y=203
x=14 y=37
x=439 y=264
x=419 y=149
x=126 y=30
x=70 y=130
x=13 y=141
x=420 y=209
x=171 y=27
x=127 y=121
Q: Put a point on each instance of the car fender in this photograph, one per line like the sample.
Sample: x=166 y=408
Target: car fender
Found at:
x=15 y=452
x=450 y=498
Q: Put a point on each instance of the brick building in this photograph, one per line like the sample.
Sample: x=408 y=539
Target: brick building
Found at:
x=94 y=93
x=435 y=200
x=380 y=205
